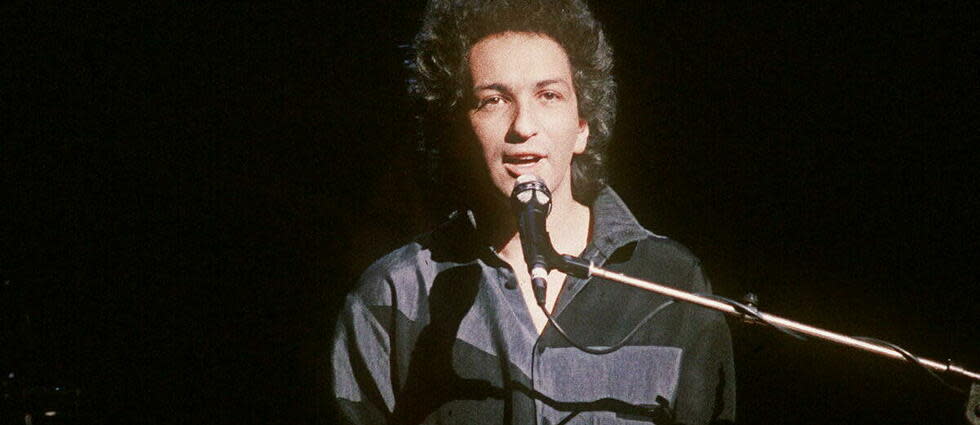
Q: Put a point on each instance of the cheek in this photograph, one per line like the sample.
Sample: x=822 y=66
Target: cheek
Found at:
x=566 y=120
x=486 y=135
x=568 y=133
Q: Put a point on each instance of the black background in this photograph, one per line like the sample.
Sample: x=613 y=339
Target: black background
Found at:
x=192 y=189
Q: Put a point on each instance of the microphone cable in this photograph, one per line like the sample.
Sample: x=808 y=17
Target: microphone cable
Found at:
x=911 y=358
x=611 y=348
x=913 y=361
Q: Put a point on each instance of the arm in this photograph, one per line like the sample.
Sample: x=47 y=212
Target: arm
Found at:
x=710 y=392
x=361 y=378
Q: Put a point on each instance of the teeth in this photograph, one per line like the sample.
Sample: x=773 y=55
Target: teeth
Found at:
x=523 y=159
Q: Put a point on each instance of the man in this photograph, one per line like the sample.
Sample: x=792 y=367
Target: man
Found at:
x=446 y=329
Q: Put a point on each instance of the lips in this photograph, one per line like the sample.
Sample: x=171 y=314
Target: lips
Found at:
x=521 y=162
x=522 y=159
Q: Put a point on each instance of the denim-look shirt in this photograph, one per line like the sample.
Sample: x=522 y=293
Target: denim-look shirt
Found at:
x=437 y=332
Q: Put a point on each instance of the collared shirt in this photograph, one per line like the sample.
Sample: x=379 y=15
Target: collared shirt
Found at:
x=437 y=332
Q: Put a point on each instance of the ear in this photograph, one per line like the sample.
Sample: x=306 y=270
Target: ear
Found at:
x=582 y=139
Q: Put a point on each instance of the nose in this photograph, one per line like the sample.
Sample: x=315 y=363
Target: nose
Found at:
x=524 y=125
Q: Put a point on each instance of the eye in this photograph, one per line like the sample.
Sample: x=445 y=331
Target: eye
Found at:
x=551 y=96
x=491 y=102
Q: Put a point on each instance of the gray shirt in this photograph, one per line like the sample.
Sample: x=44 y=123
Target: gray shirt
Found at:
x=437 y=332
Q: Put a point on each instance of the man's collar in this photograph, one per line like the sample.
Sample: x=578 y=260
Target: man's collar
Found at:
x=613 y=226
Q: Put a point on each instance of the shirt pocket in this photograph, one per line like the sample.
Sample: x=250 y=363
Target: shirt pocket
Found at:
x=607 y=388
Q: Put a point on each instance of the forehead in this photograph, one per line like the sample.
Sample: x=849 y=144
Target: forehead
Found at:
x=512 y=58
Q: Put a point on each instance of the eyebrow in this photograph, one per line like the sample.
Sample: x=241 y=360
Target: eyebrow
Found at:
x=503 y=88
x=546 y=83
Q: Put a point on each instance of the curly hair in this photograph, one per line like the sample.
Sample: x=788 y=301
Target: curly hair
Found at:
x=440 y=73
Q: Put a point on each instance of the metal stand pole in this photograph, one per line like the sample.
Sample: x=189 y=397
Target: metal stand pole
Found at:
x=572 y=265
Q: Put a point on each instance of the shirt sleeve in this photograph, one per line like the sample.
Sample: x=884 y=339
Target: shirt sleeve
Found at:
x=710 y=392
x=361 y=372
x=723 y=366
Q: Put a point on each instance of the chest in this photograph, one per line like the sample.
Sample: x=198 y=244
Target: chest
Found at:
x=556 y=281
x=495 y=333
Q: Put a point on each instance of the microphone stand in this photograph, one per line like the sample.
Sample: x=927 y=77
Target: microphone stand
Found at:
x=749 y=313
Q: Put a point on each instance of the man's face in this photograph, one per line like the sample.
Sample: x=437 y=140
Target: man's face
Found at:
x=524 y=112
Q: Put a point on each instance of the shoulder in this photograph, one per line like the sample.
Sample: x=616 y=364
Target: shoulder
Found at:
x=668 y=250
x=403 y=277
x=669 y=262
x=395 y=274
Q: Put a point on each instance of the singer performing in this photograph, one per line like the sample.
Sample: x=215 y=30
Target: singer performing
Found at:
x=447 y=329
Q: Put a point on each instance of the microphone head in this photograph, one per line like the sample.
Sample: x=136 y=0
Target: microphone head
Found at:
x=531 y=188
x=527 y=178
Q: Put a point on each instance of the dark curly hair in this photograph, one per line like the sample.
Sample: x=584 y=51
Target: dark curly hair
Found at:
x=440 y=73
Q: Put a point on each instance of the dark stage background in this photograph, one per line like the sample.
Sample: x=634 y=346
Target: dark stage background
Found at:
x=192 y=189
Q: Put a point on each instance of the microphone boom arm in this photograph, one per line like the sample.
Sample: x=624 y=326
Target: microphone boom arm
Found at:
x=577 y=267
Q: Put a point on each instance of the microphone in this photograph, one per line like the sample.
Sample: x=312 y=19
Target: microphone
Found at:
x=531 y=201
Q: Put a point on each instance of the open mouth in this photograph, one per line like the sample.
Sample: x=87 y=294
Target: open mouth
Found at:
x=522 y=160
